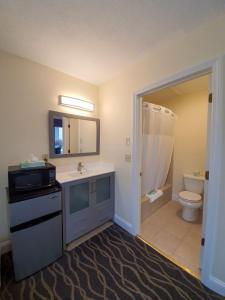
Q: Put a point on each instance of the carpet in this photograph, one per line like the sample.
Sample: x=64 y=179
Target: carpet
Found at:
x=111 y=265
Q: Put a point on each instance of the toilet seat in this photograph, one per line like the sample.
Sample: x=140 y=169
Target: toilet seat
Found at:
x=190 y=197
x=189 y=204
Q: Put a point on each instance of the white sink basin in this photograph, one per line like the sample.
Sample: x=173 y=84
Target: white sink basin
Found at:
x=72 y=175
x=80 y=173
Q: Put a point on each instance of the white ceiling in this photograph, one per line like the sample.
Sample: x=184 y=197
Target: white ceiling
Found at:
x=188 y=87
x=96 y=39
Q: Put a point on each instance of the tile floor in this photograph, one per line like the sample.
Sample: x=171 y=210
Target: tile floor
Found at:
x=178 y=239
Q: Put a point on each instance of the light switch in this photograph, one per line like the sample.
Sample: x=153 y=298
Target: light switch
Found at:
x=128 y=141
x=128 y=157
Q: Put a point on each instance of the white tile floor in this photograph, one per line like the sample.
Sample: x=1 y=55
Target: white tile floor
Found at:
x=178 y=239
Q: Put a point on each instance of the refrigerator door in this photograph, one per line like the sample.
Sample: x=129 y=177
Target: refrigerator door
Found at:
x=36 y=245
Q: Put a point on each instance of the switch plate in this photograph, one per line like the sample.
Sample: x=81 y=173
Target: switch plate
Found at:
x=127 y=157
x=128 y=141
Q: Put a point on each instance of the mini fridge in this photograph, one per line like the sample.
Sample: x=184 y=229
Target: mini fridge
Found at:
x=36 y=231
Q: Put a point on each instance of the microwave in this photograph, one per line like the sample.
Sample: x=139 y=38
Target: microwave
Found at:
x=25 y=180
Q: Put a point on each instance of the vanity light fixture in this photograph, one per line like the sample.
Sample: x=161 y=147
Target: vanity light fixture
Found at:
x=76 y=103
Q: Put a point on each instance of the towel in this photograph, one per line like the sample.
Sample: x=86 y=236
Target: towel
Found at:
x=154 y=195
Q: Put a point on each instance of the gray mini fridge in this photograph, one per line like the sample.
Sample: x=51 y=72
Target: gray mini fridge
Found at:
x=36 y=233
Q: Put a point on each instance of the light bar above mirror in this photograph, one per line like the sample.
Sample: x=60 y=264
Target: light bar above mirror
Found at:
x=76 y=103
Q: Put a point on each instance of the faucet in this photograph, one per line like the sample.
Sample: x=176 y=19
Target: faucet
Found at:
x=80 y=167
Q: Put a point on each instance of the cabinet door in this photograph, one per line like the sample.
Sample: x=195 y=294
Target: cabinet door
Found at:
x=79 y=197
x=104 y=198
x=77 y=204
x=30 y=209
x=104 y=188
x=36 y=246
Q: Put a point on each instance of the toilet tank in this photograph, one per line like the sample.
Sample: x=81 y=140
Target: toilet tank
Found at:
x=194 y=183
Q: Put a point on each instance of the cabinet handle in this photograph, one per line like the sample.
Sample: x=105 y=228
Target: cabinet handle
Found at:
x=53 y=197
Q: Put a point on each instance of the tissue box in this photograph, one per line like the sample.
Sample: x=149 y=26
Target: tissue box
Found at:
x=32 y=164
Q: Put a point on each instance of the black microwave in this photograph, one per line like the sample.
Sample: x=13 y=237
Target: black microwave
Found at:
x=25 y=180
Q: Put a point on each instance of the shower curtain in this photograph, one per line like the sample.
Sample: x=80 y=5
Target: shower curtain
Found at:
x=158 y=142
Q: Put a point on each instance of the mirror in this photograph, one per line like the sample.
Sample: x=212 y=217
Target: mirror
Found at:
x=71 y=135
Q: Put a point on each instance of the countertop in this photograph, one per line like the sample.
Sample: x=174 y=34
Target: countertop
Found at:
x=70 y=173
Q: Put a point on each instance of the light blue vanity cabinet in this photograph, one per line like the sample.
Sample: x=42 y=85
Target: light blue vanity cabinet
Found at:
x=88 y=203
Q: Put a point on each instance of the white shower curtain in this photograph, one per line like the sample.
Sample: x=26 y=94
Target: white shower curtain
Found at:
x=158 y=142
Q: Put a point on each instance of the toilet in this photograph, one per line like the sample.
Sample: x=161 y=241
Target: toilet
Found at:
x=191 y=197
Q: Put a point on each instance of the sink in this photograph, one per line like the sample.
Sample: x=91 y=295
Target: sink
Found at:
x=74 y=175
x=67 y=175
x=79 y=173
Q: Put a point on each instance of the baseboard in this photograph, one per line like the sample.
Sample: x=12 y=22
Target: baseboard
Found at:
x=123 y=223
x=5 y=247
x=87 y=236
x=215 y=284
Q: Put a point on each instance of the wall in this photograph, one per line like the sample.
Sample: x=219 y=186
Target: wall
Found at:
x=116 y=97
x=27 y=91
x=116 y=113
x=190 y=135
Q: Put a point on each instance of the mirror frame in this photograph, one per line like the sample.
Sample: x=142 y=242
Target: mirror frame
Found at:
x=51 y=115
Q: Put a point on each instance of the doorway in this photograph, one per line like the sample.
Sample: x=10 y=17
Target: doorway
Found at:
x=213 y=264
x=174 y=147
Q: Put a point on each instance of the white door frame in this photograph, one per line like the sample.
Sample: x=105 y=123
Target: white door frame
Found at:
x=215 y=67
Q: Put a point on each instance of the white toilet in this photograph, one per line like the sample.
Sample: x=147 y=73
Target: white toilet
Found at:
x=191 y=197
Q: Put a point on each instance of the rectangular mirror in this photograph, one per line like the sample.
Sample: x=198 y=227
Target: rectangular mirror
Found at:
x=71 y=135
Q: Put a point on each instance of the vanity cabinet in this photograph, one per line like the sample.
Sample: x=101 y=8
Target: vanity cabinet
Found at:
x=88 y=203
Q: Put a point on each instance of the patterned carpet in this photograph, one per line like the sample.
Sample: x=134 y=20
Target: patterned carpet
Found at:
x=111 y=265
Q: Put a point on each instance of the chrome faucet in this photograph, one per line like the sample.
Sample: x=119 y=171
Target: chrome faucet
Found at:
x=80 y=167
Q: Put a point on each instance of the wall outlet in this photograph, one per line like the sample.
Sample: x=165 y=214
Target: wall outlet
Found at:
x=127 y=157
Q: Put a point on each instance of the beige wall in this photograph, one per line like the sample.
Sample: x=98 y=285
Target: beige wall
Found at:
x=27 y=91
x=116 y=110
x=116 y=96
x=190 y=135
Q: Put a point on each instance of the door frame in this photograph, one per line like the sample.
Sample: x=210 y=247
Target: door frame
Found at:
x=215 y=67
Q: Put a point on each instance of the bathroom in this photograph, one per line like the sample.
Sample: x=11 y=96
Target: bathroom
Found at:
x=179 y=149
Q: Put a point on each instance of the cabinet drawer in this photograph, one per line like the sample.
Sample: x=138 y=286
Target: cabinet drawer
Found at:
x=24 y=211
